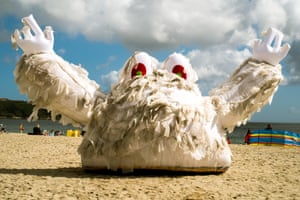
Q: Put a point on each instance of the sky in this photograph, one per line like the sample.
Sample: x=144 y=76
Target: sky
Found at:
x=216 y=36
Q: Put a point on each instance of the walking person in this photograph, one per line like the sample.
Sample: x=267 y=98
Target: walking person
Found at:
x=21 y=128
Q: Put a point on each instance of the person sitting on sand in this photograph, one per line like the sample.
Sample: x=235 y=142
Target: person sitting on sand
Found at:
x=51 y=133
x=269 y=127
x=37 y=130
x=57 y=133
x=45 y=132
x=2 y=128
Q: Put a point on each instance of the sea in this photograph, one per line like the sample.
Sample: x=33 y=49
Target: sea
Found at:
x=236 y=137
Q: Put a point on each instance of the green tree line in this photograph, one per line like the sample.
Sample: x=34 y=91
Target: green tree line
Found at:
x=19 y=109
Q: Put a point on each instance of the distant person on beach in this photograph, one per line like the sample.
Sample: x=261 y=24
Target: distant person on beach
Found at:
x=57 y=133
x=45 y=132
x=51 y=133
x=247 y=137
x=269 y=127
x=37 y=130
x=2 y=129
x=228 y=139
x=21 y=128
x=82 y=133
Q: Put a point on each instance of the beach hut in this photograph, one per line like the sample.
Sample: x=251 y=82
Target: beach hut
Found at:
x=274 y=138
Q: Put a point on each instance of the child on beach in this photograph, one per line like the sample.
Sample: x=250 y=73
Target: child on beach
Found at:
x=37 y=130
x=21 y=128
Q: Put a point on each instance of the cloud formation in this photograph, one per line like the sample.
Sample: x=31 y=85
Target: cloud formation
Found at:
x=216 y=30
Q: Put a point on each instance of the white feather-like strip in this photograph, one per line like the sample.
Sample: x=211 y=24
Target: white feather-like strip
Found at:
x=61 y=87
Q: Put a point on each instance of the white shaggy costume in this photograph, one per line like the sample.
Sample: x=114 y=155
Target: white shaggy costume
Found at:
x=155 y=121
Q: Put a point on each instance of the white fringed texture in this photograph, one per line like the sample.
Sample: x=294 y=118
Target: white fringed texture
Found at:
x=146 y=117
x=159 y=121
x=249 y=88
x=60 y=87
x=162 y=122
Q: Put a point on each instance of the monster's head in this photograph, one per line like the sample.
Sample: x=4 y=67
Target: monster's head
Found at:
x=142 y=64
x=173 y=82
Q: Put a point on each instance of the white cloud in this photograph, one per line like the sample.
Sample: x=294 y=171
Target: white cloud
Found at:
x=108 y=80
x=140 y=23
x=214 y=66
x=294 y=110
x=61 y=51
x=107 y=63
x=269 y=13
x=216 y=29
x=162 y=22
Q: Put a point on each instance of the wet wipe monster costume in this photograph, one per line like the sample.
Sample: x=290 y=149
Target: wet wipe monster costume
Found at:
x=153 y=118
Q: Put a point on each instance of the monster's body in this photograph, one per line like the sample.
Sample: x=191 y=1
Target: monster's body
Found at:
x=156 y=121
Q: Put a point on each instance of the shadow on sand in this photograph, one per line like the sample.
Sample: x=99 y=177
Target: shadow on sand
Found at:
x=77 y=172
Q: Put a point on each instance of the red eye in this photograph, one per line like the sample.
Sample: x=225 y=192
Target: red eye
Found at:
x=138 y=70
x=179 y=70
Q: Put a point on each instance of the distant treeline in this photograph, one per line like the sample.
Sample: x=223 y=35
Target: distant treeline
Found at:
x=19 y=109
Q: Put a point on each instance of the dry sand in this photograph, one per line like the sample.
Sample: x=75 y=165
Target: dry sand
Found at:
x=43 y=167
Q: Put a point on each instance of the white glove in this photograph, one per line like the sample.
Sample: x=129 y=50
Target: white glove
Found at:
x=270 y=49
x=37 y=42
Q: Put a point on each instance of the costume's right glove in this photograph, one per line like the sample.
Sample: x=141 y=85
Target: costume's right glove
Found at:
x=269 y=49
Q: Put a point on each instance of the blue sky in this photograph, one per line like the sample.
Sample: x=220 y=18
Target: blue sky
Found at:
x=216 y=37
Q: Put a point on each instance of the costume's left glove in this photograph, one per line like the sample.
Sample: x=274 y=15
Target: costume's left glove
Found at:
x=269 y=49
x=31 y=39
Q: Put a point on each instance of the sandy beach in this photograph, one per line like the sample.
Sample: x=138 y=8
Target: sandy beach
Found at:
x=44 y=167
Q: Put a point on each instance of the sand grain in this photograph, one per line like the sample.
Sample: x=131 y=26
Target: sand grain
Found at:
x=41 y=167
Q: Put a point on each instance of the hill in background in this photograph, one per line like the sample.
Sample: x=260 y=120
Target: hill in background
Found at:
x=19 y=109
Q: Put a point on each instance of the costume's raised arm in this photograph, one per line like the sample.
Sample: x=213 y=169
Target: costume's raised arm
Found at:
x=49 y=81
x=253 y=84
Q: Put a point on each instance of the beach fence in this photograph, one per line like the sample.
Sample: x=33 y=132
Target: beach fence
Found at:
x=274 y=138
x=73 y=133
